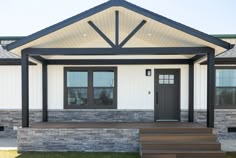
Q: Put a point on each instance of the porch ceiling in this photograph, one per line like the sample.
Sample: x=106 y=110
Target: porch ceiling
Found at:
x=81 y=35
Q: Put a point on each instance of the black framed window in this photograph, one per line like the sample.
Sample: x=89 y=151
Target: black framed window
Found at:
x=90 y=88
x=225 y=87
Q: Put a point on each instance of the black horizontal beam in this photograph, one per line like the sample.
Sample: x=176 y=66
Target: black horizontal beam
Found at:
x=197 y=57
x=119 y=51
x=116 y=61
x=39 y=59
x=13 y=62
x=222 y=61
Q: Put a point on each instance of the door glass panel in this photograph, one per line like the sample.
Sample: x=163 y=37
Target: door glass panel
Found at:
x=171 y=81
x=166 y=76
x=167 y=79
x=161 y=81
x=161 y=76
x=171 y=77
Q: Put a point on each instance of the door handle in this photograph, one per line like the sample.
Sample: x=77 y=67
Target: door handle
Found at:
x=156 y=97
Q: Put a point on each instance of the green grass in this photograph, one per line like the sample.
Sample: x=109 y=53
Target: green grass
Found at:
x=14 y=154
x=231 y=155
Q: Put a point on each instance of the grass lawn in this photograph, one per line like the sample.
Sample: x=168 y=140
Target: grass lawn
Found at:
x=231 y=155
x=14 y=154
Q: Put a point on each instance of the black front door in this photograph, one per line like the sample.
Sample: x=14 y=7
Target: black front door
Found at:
x=167 y=95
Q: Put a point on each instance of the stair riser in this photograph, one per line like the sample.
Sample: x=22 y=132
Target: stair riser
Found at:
x=190 y=147
x=180 y=139
x=194 y=155
x=176 y=131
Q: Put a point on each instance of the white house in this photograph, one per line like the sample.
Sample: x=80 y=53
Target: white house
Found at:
x=118 y=62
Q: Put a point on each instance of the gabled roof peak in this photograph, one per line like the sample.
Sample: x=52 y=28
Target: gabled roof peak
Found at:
x=129 y=6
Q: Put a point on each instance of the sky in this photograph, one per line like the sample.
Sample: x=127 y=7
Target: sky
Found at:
x=24 y=17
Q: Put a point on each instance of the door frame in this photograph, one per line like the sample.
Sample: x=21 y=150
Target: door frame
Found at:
x=179 y=91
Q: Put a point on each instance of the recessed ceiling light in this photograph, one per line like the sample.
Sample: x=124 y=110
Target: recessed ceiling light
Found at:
x=149 y=34
x=85 y=35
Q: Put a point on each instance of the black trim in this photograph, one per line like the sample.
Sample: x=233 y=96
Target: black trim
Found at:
x=101 y=34
x=119 y=51
x=231 y=129
x=90 y=87
x=12 y=62
x=197 y=57
x=222 y=61
x=129 y=6
x=132 y=33
x=1 y=128
x=191 y=93
x=39 y=59
x=10 y=38
x=117 y=33
x=45 y=92
x=25 y=89
x=210 y=89
x=116 y=61
x=225 y=107
x=148 y=72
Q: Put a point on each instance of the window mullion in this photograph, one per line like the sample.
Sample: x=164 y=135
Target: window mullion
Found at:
x=90 y=88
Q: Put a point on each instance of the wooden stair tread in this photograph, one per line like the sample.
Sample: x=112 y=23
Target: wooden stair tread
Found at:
x=184 y=143
x=176 y=128
x=176 y=134
x=180 y=152
x=184 y=138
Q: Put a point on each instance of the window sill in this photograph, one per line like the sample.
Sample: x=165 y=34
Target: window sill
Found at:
x=90 y=108
x=225 y=107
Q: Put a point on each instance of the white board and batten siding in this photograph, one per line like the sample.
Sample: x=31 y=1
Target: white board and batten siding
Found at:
x=10 y=87
x=133 y=86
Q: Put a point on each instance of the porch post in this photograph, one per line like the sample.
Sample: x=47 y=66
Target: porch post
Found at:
x=25 y=89
x=45 y=92
x=191 y=93
x=210 y=88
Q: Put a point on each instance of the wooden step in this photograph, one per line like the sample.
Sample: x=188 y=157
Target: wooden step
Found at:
x=171 y=142
x=187 y=147
x=172 y=130
x=182 y=154
x=178 y=138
